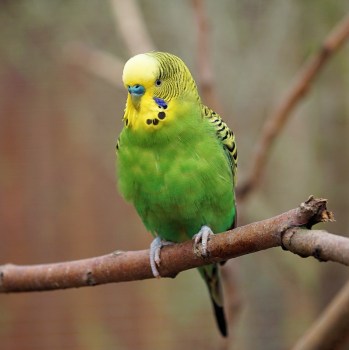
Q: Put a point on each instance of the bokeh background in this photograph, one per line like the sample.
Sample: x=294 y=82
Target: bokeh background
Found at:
x=58 y=196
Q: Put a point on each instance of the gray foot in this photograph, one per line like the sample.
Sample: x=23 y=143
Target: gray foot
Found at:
x=155 y=259
x=202 y=237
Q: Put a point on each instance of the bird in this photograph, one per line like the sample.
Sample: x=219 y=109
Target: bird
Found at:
x=176 y=162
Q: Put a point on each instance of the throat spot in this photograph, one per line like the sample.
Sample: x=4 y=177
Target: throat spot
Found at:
x=156 y=121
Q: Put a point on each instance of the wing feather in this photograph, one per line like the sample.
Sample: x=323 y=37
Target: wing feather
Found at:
x=225 y=135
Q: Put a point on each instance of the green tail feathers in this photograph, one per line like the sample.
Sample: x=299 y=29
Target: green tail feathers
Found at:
x=211 y=276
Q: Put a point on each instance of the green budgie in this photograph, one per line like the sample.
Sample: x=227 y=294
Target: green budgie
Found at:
x=176 y=161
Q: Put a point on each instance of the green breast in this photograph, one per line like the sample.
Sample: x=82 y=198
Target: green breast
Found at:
x=178 y=179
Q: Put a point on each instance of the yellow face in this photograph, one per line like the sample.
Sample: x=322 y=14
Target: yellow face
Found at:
x=141 y=79
x=157 y=82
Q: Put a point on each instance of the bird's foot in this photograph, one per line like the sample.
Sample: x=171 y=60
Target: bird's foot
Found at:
x=155 y=259
x=202 y=237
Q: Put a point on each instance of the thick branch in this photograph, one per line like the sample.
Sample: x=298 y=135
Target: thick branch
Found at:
x=298 y=89
x=331 y=328
x=134 y=265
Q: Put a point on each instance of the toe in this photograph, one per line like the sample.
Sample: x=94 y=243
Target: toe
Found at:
x=157 y=257
x=155 y=254
x=203 y=236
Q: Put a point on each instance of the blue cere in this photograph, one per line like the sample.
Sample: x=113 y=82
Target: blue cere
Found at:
x=137 y=90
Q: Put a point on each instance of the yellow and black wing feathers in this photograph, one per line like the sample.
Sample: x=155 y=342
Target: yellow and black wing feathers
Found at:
x=225 y=135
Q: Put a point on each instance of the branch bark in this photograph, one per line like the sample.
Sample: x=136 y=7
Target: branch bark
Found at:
x=134 y=265
x=298 y=89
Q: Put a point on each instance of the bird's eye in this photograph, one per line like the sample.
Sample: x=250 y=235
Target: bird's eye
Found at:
x=158 y=82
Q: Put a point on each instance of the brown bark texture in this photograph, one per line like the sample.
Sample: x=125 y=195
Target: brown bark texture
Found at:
x=290 y=230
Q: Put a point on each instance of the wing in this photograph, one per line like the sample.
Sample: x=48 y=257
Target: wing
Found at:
x=225 y=135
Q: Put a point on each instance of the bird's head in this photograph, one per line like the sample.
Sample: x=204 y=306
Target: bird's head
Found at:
x=157 y=75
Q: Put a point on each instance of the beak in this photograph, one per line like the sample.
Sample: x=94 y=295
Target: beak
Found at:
x=136 y=92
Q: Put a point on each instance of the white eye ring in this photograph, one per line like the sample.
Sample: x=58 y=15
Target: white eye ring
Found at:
x=158 y=82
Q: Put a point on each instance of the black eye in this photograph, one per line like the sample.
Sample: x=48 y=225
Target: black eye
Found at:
x=158 y=82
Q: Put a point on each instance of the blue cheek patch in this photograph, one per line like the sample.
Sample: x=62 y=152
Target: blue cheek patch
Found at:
x=160 y=102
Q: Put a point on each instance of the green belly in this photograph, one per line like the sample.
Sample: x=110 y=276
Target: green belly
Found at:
x=178 y=187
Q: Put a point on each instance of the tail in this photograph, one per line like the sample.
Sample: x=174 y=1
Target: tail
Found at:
x=211 y=276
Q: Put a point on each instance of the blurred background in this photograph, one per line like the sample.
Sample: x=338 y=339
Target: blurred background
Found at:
x=59 y=120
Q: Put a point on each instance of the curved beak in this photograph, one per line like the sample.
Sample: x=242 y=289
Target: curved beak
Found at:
x=136 y=92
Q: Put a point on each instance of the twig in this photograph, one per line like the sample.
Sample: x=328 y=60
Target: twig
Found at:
x=130 y=23
x=205 y=72
x=134 y=265
x=99 y=63
x=320 y=244
x=331 y=328
x=298 y=89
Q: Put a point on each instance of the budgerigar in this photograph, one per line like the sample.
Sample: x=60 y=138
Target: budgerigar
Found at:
x=176 y=161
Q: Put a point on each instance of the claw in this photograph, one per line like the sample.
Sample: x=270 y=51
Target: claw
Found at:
x=155 y=259
x=202 y=236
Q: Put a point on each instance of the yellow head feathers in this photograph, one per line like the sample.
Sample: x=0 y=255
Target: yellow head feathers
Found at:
x=166 y=75
x=156 y=82
x=142 y=70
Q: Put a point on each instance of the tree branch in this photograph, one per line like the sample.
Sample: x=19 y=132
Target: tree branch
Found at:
x=203 y=56
x=134 y=265
x=130 y=23
x=298 y=89
x=97 y=62
x=132 y=27
x=332 y=326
